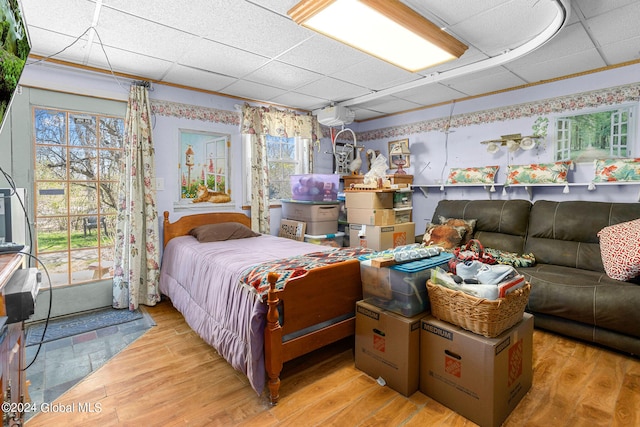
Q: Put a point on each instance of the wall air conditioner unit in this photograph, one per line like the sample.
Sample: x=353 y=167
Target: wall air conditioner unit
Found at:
x=335 y=116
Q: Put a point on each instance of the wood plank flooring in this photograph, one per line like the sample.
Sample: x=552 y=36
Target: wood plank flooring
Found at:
x=170 y=377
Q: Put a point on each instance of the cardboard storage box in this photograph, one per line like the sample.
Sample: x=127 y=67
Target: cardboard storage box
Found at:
x=388 y=346
x=381 y=237
x=400 y=288
x=482 y=379
x=368 y=199
x=314 y=187
x=371 y=216
x=334 y=239
x=320 y=217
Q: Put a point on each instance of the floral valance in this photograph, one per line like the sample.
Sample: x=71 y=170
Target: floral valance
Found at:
x=274 y=122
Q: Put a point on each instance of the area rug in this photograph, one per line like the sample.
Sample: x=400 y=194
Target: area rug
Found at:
x=80 y=323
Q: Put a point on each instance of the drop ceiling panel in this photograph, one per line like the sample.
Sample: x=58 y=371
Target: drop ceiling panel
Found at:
x=283 y=75
x=298 y=100
x=208 y=55
x=375 y=74
x=128 y=63
x=332 y=89
x=430 y=94
x=188 y=76
x=322 y=55
x=553 y=67
x=250 y=90
x=389 y=104
x=485 y=81
x=70 y=17
x=591 y=8
x=616 y=25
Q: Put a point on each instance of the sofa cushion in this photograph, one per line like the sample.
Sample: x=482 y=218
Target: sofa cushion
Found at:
x=620 y=250
x=500 y=224
x=566 y=233
x=584 y=296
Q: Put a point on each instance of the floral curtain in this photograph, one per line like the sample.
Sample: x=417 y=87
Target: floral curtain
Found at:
x=137 y=256
x=259 y=122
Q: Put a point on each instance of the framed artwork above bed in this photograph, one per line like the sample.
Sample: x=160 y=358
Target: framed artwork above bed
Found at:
x=204 y=161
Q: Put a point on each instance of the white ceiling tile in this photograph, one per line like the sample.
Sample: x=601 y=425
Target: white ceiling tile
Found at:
x=322 y=55
x=484 y=81
x=591 y=8
x=616 y=53
x=561 y=66
x=141 y=36
x=430 y=94
x=571 y=40
x=283 y=75
x=45 y=43
x=374 y=74
x=389 y=104
x=298 y=100
x=128 y=62
x=250 y=90
x=191 y=77
x=332 y=89
x=208 y=55
x=71 y=17
x=616 y=25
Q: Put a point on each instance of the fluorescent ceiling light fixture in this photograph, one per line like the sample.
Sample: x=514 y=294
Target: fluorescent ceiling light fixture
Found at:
x=386 y=29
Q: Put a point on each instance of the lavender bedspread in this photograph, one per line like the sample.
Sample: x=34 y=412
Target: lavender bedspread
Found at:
x=203 y=282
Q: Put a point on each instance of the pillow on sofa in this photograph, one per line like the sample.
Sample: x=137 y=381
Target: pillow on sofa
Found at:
x=468 y=224
x=608 y=170
x=481 y=175
x=620 y=249
x=446 y=236
x=222 y=231
x=542 y=173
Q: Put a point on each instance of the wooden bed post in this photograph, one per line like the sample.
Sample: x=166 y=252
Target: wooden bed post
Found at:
x=273 y=340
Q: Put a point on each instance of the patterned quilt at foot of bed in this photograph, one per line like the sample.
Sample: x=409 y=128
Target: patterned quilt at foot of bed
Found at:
x=288 y=268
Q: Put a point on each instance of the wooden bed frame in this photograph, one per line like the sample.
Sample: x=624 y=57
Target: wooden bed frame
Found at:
x=301 y=305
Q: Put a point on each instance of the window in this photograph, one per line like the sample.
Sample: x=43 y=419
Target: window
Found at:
x=596 y=135
x=285 y=157
x=77 y=158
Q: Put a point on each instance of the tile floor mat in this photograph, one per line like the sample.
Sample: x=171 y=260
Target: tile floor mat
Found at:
x=77 y=324
x=63 y=362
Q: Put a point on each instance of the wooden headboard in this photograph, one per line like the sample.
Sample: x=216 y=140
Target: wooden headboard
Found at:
x=185 y=224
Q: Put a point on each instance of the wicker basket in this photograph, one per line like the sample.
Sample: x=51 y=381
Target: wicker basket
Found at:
x=485 y=317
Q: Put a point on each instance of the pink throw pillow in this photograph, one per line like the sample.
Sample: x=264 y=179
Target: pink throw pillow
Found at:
x=620 y=249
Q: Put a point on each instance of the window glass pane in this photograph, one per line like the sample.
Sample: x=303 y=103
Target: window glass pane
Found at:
x=57 y=267
x=51 y=163
x=85 y=266
x=52 y=235
x=108 y=197
x=110 y=164
x=52 y=198
x=84 y=232
x=83 y=198
x=83 y=164
x=289 y=150
x=82 y=130
x=50 y=127
x=111 y=132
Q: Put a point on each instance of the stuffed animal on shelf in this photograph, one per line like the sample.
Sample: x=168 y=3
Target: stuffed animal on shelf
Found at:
x=206 y=195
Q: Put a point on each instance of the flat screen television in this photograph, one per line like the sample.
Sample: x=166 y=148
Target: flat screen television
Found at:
x=14 y=49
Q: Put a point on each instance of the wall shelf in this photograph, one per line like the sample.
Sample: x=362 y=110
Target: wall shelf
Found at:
x=491 y=188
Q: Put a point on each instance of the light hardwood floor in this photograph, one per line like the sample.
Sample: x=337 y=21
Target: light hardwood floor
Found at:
x=170 y=377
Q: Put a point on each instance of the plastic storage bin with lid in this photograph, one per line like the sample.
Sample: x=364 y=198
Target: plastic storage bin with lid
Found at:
x=315 y=187
x=333 y=239
x=401 y=288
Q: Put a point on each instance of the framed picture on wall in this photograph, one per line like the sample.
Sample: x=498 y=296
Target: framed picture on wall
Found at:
x=399 y=154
